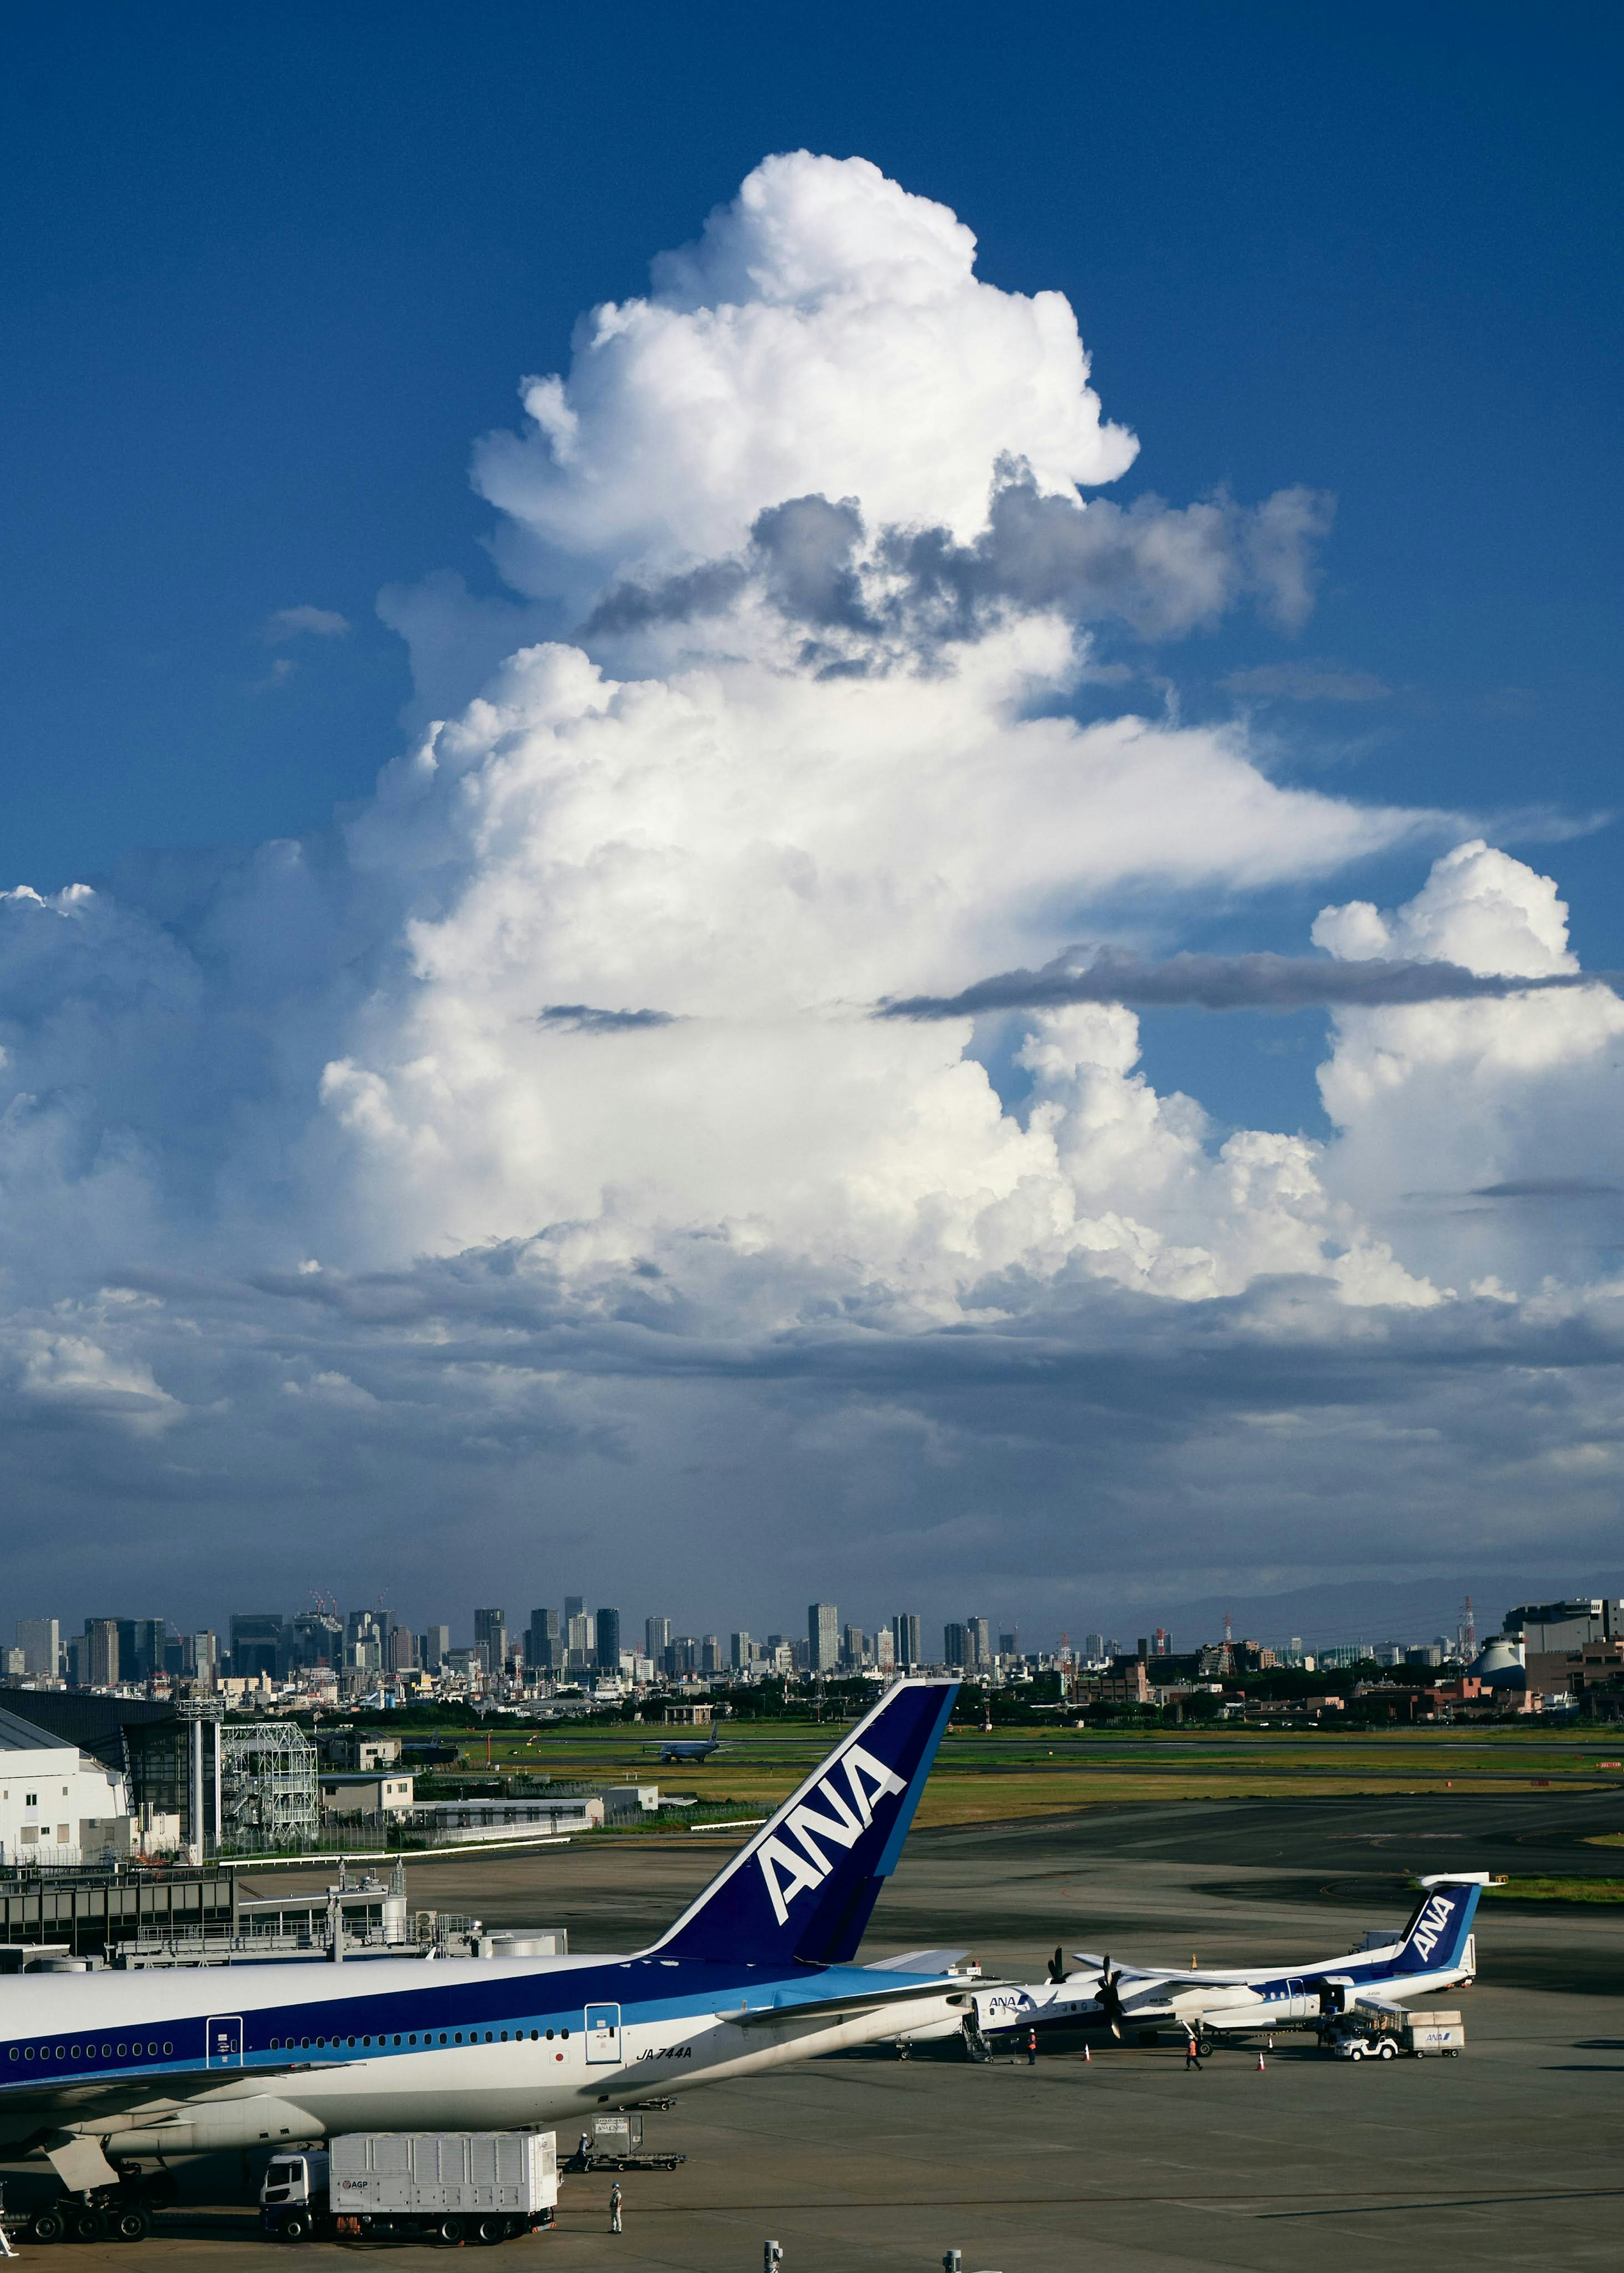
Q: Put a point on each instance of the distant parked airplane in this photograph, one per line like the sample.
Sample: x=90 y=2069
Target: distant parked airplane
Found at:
x=1435 y=1951
x=757 y=1972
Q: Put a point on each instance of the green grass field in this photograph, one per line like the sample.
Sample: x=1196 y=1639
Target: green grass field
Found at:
x=983 y=1777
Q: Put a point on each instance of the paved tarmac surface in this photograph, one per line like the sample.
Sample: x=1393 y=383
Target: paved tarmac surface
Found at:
x=1506 y=2157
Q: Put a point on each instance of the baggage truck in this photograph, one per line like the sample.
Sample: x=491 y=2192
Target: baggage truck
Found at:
x=414 y=2186
x=1371 y=2032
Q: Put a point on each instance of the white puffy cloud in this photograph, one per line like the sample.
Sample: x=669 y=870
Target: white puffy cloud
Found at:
x=497 y=1131
x=828 y=333
x=1466 y=1123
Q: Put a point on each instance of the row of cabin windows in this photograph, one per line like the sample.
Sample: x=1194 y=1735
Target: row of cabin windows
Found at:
x=278 y=2044
x=323 y=2044
x=88 y=2052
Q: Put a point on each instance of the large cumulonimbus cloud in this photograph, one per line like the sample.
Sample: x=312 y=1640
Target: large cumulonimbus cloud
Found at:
x=522 y=1162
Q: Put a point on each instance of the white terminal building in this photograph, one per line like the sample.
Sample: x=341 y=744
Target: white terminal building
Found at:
x=57 y=1804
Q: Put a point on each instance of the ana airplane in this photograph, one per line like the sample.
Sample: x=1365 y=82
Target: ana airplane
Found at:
x=687 y=1748
x=757 y=1972
x=1435 y=1951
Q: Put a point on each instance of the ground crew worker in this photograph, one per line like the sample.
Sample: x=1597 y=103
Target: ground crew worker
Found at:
x=1192 y=2056
x=1032 y=2048
x=614 y=2206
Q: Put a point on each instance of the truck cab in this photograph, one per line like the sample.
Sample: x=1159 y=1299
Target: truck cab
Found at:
x=293 y=2194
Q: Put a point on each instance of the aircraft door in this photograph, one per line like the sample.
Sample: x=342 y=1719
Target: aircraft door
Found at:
x=603 y=2033
x=1297 y=2002
x=222 y=2040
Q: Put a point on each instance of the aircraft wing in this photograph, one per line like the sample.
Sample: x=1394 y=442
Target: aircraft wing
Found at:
x=27 y=2109
x=918 y=1960
x=1201 y=1978
x=856 y=2001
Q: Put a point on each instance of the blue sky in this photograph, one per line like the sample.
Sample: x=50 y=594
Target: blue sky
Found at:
x=267 y=276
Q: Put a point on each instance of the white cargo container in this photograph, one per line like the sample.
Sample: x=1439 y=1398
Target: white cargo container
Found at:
x=1434 y=2031
x=441 y=2185
x=444 y=2170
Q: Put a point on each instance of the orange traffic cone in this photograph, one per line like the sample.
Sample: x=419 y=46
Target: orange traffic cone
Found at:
x=1259 y=2063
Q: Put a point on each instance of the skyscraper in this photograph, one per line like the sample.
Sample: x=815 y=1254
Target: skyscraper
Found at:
x=436 y=1648
x=906 y=1640
x=608 y=1641
x=491 y=1635
x=978 y=1653
x=656 y=1637
x=738 y=1651
x=101 y=1654
x=39 y=1640
x=574 y=1604
x=955 y=1643
x=541 y=1641
x=822 y=1637
x=258 y=1645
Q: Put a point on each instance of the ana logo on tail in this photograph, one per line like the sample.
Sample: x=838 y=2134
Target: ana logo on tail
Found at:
x=869 y=1780
x=1430 y=1923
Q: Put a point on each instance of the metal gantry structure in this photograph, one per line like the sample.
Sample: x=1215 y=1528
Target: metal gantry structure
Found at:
x=269 y=1793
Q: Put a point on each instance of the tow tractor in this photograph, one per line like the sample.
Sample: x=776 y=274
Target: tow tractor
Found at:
x=615 y=2143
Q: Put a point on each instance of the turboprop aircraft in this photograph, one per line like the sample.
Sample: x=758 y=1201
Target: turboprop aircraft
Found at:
x=758 y=1971
x=1435 y=1951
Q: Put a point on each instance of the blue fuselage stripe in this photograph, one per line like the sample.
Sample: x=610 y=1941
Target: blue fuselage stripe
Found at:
x=362 y=2026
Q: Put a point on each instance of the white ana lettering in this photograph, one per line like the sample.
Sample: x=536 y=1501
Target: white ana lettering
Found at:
x=842 y=1826
x=860 y=1764
x=801 y=1873
x=1431 y=1925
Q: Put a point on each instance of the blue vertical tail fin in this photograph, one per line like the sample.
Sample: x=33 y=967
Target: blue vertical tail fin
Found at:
x=1435 y=1939
x=804 y=1887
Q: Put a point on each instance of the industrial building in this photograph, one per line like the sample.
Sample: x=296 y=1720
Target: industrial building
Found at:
x=56 y=1801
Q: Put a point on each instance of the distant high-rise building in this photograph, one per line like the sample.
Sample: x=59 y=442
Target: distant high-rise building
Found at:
x=906 y=1640
x=823 y=1638
x=1009 y=1645
x=315 y=1637
x=402 y=1650
x=574 y=1604
x=955 y=1643
x=577 y=1638
x=542 y=1641
x=491 y=1635
x=608 y=1641
x=738 y=1651
x=258 y=1645
x=202 y=1656
x=99 y=1661
x=978 y=1644
x=885 y=1650
x=853 y=1648
x=436 y=1648
x=1093 y=1647
x=39 y=1639
x=656 y=1637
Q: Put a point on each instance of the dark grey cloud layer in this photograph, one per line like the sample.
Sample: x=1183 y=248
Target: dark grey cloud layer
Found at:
x=583 y=1018
x=487 y=1420
x=1160 y=570
x=1230 y=982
